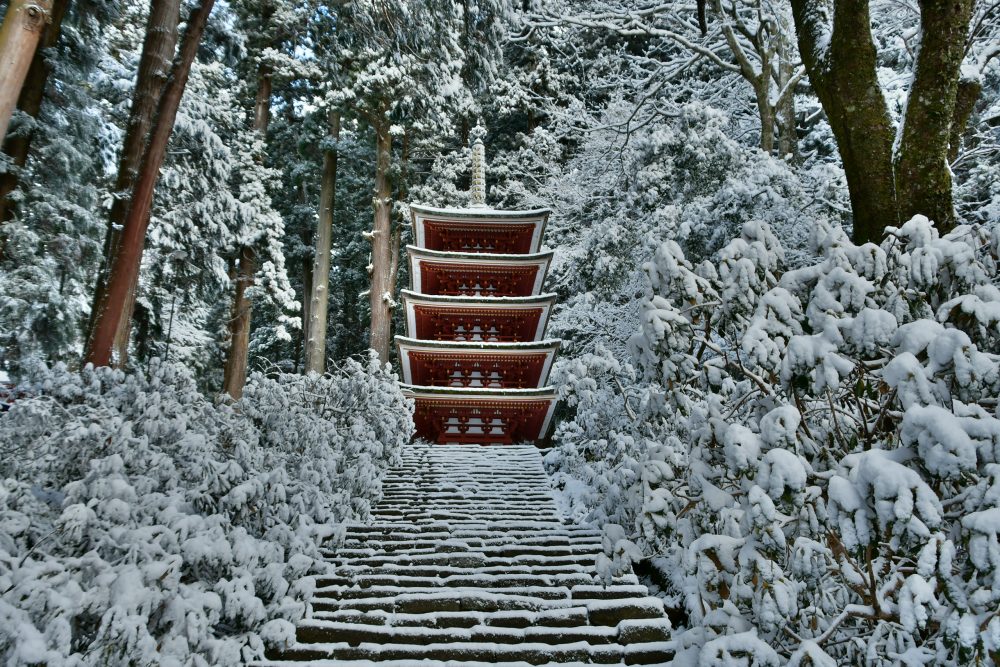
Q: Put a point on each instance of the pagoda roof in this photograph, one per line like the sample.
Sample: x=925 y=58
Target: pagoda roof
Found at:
x=483 y=230
x=489 y=302
x=477 y=274
x=481 y=416
x=475 y=364
x=480 y=257
x=478 y=213
x=480 y=392
x=547 y=344
x=459 y=318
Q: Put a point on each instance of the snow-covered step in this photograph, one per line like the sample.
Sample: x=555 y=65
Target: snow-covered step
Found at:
x=475 y=579
x=445 y=539
x=646 y=653
x=354 y=570
x=549 y=590
x=326 y=631
x=561 y=617
x=491 y=550
x=467 y=560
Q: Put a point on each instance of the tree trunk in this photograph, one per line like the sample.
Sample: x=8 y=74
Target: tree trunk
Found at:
x=965 y=102
x=844 y=77
x=381 y=296
x=262 y=105
x=923 y=176
x=306 y=236
x=125 y=267
x=788 y=140
x=154 y=69
x=320 y=295
x=22 y=28
x=402 y=194
x=766 y=113
x=30 y=102
x=235 y=370
x=307 y=282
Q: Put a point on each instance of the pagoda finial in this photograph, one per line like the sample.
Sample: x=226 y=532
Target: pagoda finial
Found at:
x=478 y=190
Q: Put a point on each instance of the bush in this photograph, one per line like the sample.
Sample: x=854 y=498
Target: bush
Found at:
x=142 y=524
x=824 y=484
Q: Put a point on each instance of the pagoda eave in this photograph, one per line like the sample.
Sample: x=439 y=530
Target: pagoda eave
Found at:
x=481 y=416
x=545 y=344
x=479 y=230
x=448 y=273
x=493 y=319
x=484 y=214
x=493 y=365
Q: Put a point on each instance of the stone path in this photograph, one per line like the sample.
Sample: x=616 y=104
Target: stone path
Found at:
x=467 y=561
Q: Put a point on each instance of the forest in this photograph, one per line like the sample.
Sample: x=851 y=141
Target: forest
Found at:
x=776 y=227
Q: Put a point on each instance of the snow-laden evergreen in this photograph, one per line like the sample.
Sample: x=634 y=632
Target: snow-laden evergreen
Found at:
x=143 y=524
x=809 y=456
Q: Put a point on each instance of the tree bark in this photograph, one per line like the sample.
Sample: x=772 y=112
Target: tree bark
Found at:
x=154 y=68
x=788 y=140
x=402 y=194
x=844 y=77
x=30 y=102
x=320 y=292
x=235 y=370
x=306 y=236
x=965 y=102
x=125 y=267
x=766 y=114
x=923 y=176
x=307 y=282
x=22 y=28
x=381 y=295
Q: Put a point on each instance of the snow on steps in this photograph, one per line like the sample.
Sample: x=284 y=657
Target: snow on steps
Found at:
x=467 y=561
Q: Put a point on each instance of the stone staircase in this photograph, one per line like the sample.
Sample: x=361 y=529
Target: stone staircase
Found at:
x=468 y=561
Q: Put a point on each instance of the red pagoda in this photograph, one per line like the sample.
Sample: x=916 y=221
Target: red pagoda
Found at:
x=475 y=359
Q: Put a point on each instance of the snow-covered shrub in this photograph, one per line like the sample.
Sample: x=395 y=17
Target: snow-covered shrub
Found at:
x=611 y=423
x=837 y=496
x=143 y=524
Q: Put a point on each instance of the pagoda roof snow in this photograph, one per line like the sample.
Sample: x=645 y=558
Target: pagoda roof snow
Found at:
x=486 y=302
x=479 y=213
x=548 y=344
x=480 y=392
x=480 y=257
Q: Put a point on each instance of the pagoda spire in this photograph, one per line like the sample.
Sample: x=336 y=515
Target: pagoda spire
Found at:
x=478 y=190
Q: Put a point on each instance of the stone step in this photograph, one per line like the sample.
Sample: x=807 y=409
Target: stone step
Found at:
x=326 y=631
x=485 y=508
x=389 y=541
x=436 y=571
x=599 y=612
x=498 y=550
x=652 y=653
x=561 y=527
x=466 y=559
x=440 y=530
x=461 y=580
x=546 y=592
x=562 y=617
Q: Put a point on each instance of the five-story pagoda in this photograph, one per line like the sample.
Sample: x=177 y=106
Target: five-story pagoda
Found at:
x=475 y=359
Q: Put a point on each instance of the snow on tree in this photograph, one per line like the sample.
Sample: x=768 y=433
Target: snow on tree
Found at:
x=819 y=483
x=141 y=523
